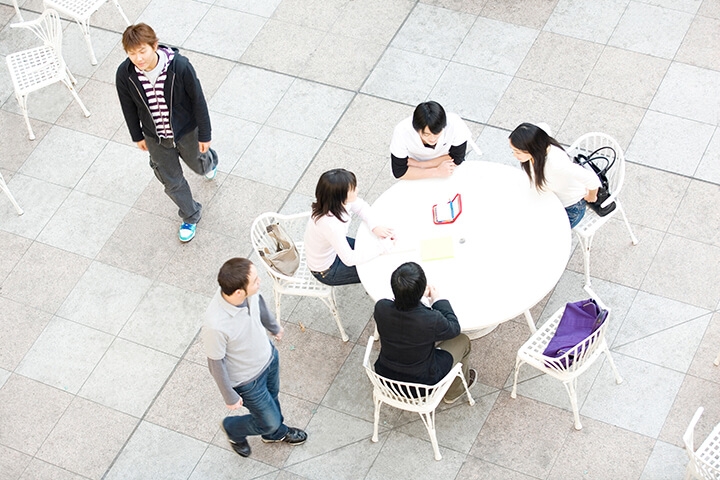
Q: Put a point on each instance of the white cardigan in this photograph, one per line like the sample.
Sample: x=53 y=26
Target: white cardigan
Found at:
x=568 y=180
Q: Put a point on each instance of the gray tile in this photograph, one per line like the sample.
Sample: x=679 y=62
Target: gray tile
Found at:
x=372 y=20
x=87 y=427
x=39 y=470
x=219 y=464
x=12 y=462
x=709 y=167
x=82 y=224
x=27 y=402
x=530 y=13
x=395 y=76
x=250 y=93
x=393 y=461
x=666 y=462
x=220 y=24
x=231 y=138
x=49 y=103
x=626 y=77
x=64 y=354
x=710 y=8
x=13 y=139
x=128 y=377
x=689 y=92
x=102 y=101
x=20 y=326
x=594 y=22
x=602 y=451
x=211 y=70
x=282 y=47
x=473 y=7
x=687 y=221
x=60 y=269
x=638 y=27
x=700 y=44
x=346 y=462
x=702 y=365
x=694 y=393
x=685 y=270
x=494 y=144
x=433 y=31
x=14 y=247
x=63 y=156
x=669 y=143
x=154 y=451
x=264 y=9
x=496 y=46
x=476 y=469
x=342 y=61
x=317 y=14
x=470 y=92
x=39 y=199
x=639 y=404
x=167 y=319
x=120 y=174
x=106 y=68
x=174 y=20
x=310 y=109
x=526 y=101
x=102 y=40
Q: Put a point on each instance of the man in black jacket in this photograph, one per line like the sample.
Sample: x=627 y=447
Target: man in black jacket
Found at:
x=409 y=330
x=167 y=116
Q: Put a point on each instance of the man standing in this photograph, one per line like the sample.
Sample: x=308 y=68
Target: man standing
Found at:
x=429 y=143
x=242 y=359
x=409 y=330
x=166 y=113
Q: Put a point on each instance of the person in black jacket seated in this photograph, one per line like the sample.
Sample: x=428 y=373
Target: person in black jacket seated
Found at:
x=409 y=331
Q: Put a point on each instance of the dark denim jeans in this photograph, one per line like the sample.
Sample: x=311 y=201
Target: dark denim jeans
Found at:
x=339 y=273
x=576 y=212
x=260 y=397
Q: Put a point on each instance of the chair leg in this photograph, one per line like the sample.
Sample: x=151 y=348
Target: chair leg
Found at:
x=518 y=364
x=627 y=223
x=429 y=421
x=378 y=404
x=22 y=101
x=585 y=244
x=117 y=5
x=530 y=321
x=376 y=336
x=70 y=87
x=618 y=378
x=471 y=400
x=571 y=388
x=85 y=27
x=17 y=10
x=717 y=360
x=4 y=188
x=277 y=296
x=332 y=305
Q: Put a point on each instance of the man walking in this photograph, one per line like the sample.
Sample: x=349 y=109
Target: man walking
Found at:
x=167 y=116
x=242 y=359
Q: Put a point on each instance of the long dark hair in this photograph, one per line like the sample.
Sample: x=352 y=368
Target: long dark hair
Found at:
x=331 y=192
x=534 y=140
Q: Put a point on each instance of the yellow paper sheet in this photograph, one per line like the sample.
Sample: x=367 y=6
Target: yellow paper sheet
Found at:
x=436 y=248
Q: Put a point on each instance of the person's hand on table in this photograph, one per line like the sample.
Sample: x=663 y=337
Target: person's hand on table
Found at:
x=445 y=169
x=384 y=232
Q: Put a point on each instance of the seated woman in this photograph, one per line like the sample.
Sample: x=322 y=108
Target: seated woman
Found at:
x=330 y=253
x=549 y=168
x=409 y=331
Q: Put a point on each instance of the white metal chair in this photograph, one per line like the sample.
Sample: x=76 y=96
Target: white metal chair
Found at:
x=717 y=360
x=38 y=67
x=4 y=188
x=591 y=222
x=303 y=283
x=583 y=354
x=705 y=461
x=81 y=11
x=411 y=397
x=17 y=10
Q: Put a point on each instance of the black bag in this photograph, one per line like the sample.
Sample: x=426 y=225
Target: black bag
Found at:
x=593 y=161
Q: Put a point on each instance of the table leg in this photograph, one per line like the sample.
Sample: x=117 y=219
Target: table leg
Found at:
x=530 y=321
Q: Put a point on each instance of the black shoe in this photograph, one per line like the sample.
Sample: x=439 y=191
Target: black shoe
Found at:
x=294 y=436
x=241 y=448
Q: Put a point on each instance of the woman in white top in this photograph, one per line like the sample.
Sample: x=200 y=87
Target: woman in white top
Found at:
x=549 y=168
x=329 y=251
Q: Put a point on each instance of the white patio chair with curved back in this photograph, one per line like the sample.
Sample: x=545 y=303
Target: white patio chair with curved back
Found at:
x=591 y=222
x=704 y=462
x=81 y=11
x=36 y=68
x=4 y=188
x=411 y=397
x=302 y=283
x=561 y=368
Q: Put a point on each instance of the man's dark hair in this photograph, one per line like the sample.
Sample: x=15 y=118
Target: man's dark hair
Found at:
x=429 y=114
x=408 y=284
x=137 y=35
x=234 y=275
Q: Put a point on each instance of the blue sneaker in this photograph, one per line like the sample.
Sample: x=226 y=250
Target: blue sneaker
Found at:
x=212 y=173
x=187 y=232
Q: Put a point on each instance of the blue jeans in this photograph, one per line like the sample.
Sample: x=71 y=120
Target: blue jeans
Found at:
x=260 y=397
x=576 y=212
x=339 y=273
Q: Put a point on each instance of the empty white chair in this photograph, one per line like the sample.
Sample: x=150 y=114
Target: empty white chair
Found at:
x=4 y=188
x=591 y=222
x=704 y=462
x=302 y=283
x=81 y=11
x=38 y=67
x=583 y=355
x=411 y=397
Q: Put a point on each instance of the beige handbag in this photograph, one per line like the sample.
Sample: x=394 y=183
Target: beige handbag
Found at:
x=285 y=259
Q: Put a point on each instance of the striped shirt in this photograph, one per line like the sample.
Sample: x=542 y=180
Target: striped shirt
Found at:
x=154 y=84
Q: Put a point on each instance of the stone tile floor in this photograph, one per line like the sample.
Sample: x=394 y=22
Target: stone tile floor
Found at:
x=101 y=375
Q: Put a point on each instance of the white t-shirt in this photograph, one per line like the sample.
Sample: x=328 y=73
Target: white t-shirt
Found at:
x=406 y=141
x=568 y=180
x=326 y=238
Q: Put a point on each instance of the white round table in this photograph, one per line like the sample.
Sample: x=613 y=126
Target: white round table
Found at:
x=510 y=244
